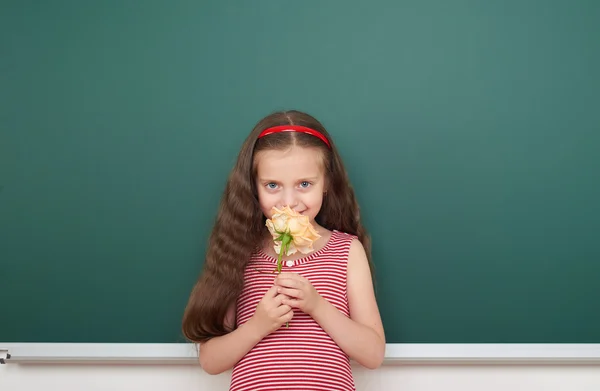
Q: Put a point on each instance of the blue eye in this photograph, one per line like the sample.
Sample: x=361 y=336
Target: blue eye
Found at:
x=305 y=184
x=271 y=185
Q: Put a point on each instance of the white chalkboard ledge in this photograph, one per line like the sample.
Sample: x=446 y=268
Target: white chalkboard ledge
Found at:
x=396 y=354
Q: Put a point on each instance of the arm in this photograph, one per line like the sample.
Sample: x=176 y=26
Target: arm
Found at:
x=361 y=336
x=221 y=353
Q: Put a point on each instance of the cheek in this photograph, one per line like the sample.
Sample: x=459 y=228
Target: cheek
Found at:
x=266 y=201
x=315 y=200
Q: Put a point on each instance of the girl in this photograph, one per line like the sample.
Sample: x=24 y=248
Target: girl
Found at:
x=297 y=329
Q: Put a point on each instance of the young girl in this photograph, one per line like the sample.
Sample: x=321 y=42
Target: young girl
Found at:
x=300 y=328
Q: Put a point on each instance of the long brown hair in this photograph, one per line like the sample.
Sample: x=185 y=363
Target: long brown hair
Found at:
x=240 y=223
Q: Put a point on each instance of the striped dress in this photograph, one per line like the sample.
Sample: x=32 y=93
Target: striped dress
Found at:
x=302 y=356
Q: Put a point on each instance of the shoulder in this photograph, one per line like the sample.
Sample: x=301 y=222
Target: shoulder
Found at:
x=341 y=236
x=357 y=256
x=354 y=246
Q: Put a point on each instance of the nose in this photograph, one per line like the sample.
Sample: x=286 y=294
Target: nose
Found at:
x=289 y=198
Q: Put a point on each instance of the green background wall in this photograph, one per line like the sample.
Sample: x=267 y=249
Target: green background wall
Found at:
x=470 y=130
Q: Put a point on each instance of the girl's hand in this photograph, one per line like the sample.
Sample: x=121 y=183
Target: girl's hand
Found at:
x=302 y=294
x=270 y=313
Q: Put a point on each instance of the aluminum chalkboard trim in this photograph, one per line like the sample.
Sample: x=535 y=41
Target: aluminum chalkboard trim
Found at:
x=184 y=353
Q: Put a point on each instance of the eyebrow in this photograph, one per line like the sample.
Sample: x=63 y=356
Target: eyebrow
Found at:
x=300 y=180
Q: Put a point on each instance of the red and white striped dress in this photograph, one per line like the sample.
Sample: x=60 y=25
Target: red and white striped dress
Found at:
x=302 y=356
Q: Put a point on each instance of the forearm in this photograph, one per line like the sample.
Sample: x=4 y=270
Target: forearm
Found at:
x=222 y=353
x=358 y=341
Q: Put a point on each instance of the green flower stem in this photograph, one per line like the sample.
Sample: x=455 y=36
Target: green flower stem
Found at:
x=286 y=239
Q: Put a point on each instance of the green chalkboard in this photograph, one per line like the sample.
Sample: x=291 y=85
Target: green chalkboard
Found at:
x=470 y=130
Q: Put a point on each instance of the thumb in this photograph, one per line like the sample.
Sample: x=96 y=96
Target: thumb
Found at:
x=272 y=292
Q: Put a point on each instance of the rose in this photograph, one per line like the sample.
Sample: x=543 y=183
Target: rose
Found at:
x=298 y=227
x=291 y=232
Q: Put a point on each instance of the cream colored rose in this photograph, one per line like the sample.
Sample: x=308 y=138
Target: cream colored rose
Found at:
x=298 y=226
x=280 y=221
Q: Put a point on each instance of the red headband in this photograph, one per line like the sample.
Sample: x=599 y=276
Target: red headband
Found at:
x=294 y=128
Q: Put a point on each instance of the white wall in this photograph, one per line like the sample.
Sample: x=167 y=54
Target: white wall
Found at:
x=88 y=377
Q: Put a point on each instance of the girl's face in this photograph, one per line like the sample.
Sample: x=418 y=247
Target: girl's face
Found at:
x=292 y=177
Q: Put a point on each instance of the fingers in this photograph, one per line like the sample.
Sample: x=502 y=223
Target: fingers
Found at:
x=292 y=276
x=281 y=310
x=293 y=303
x=297 y=293
x=289 y=279
x=280 y=298
x=288 y=282
x=287 y=317
x=272 y=292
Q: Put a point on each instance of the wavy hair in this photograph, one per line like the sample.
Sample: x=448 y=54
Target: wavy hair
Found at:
x=240 y=223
